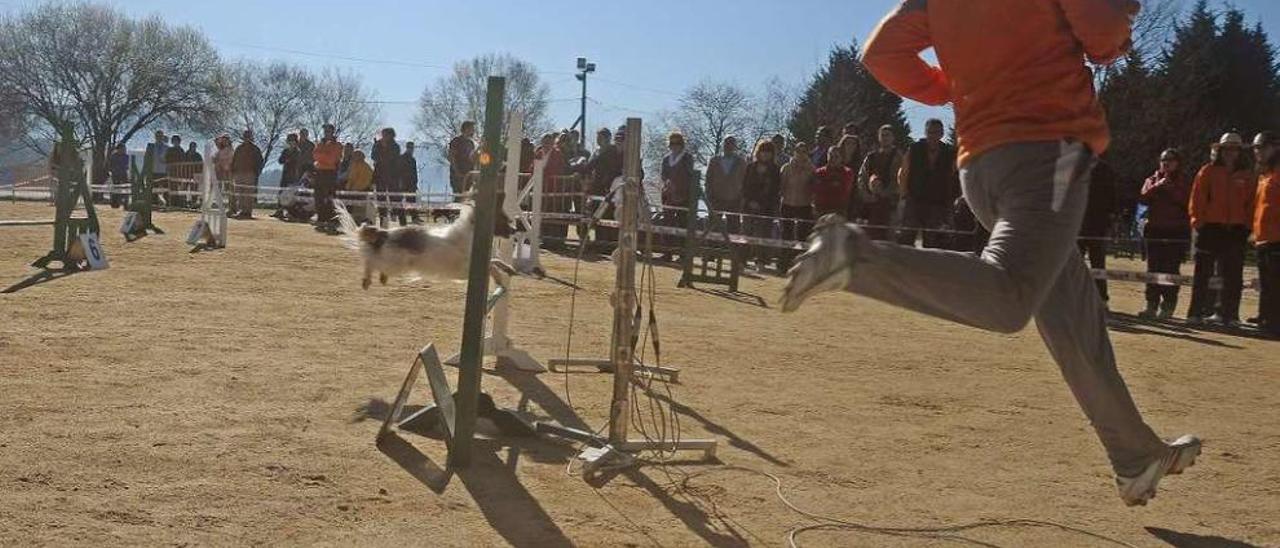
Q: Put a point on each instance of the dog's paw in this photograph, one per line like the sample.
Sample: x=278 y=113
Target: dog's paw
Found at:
x=383 y=279
x=366 y=283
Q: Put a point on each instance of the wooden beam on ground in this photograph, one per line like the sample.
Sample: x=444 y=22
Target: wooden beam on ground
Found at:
x=42 y=222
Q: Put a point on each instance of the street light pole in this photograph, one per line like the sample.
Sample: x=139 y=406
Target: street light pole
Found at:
x=584 y=68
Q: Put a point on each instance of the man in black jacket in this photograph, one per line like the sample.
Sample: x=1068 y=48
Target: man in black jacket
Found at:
x=601 y=169
x=409 y=182
x=930 y=183
x=1098 y=217
x=386 y=163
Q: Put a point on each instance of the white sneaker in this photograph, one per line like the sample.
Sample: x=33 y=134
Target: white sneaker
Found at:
x=826 y=266
x=1179 y=455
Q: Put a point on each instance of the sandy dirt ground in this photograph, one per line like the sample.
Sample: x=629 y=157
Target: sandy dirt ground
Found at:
x=232 y=398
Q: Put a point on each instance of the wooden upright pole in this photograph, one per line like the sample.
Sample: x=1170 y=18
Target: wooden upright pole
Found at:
x=486 y=203
x=624 y=289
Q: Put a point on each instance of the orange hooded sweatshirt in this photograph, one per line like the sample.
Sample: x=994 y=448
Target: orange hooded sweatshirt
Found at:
x=1266 y=215
x=1015 y=69
x=1221 y=196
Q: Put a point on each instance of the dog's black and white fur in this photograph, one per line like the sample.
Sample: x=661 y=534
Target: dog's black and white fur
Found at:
x=436 y=252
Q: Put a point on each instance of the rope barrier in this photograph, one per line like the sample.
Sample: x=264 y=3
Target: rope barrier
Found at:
x=437 y=202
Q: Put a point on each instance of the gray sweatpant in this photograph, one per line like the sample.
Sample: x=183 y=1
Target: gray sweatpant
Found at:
x=1032 y=197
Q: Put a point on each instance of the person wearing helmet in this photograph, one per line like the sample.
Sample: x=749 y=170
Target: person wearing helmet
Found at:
x=1029 y=130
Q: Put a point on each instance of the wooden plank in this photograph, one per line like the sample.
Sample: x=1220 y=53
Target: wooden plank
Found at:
x=42 y=222
x=440 y=391
x=393 y=415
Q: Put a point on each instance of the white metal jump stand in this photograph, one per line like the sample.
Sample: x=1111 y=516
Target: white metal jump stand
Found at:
x=605 y=365
x=527 y=243
x=618 y=449
x=497 y=343
x=210 y=229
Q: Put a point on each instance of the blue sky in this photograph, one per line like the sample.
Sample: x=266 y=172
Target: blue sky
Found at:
x=647 y=52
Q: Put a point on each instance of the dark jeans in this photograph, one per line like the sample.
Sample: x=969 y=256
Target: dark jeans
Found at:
x=760 y=227
x=1095 y=249
x=1165 y=257
x=1269 y=276
x=458 y=184
x=324 y=183
x=1220 y=252
x=395 y=209
x=678 y=218
x=927 y=216
x=879 y=215
x=119 y=196
x=797 y=227
x=604 y=234
x=798 y=223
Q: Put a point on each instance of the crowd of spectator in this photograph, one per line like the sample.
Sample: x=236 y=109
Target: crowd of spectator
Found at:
x=1229 y=201
x=776 y=189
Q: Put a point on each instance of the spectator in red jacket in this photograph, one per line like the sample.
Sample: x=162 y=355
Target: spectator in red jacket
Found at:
x=1167 y=231
x=832 y=185
x=554 y=232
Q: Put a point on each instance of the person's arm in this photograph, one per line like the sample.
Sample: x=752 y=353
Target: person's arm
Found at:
x=713 y=179
x=898 y=167
x=864 y=174
x=1199 y=202
x=892 y=54
x=904 y=177
x=1150 y=187
x=1104 y=27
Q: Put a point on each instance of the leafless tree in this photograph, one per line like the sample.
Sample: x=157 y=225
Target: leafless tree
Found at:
x=1151 y=32
x=93 y=69
x=341 y=98
x=1155 y=24
x=11 y=118
x=461 y=96
x=269 y=99
x=771 y=112
x=709 y=112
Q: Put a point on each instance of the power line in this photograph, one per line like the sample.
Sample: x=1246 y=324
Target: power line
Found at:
x=638 y=88
x=432 y=66
x=619 y=108
x=334 y=56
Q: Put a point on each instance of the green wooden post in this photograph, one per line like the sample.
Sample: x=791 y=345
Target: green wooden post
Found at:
x=486 y=202
x=142 y=197
x=72 y=186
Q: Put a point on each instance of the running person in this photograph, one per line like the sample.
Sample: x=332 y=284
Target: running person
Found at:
x=1030 y=128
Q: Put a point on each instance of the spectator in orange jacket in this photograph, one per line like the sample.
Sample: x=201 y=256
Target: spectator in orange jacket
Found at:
x=1221 y=210
x=1266 y=231
x=324 y=180
x=1166 y=232
x=1030 y=127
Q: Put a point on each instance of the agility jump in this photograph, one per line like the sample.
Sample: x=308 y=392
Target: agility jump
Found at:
x=75 y=239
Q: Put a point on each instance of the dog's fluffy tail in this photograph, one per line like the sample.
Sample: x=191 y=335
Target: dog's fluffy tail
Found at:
x=347 y=225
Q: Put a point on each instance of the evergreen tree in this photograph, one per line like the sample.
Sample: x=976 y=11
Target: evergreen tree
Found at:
x=1127 y=96
x=844 y=91
x=1187 y=113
